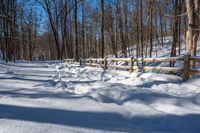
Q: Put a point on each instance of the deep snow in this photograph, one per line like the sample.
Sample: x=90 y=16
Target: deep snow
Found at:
x=59 y=98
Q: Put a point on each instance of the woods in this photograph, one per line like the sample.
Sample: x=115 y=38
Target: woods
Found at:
x=96 y=66
x=84 y=28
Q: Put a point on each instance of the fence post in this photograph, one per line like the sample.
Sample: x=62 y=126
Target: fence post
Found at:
x=131 y=64
x=90 y=61
x=72 y=61
x=80 y=60
x=186 y=67
x=105 y=63
x=83 y=61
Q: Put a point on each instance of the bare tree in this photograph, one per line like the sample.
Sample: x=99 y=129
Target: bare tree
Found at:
x=192 y=34
x=102 y=28
x=51 y=8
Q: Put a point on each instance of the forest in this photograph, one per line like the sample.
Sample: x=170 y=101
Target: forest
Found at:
x=99 y=66
x=58 y=29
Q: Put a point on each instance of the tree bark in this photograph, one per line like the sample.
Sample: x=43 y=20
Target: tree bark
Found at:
x=192 y=34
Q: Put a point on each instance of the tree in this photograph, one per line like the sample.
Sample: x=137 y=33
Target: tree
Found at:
x=192 y=34
x=102 y=28
x=83 y=29
x=51 y=8
x=31 y=27
x=76 y=31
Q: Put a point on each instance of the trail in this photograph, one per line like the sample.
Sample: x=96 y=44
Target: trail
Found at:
x=44 y=97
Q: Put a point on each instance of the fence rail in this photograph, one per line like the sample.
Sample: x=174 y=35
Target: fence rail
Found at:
x=130 y=63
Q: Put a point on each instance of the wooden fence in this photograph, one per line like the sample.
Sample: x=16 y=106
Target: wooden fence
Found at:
x=130 y=63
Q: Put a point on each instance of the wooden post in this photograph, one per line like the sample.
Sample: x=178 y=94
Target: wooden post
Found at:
x=131 y=64
x=186 y=67
x=83 y=61
x=90 y=61
x=73 y=60
x=80 y=60
x=105 y=63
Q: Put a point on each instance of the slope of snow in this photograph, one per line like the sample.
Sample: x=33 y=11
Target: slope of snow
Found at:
x=55 y=97
x=160 y=51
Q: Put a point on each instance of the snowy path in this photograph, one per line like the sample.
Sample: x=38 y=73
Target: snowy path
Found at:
x=38 y=98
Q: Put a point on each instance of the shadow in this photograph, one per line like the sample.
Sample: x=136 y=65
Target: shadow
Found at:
x=29 y=74
x=149 y=84
x=64 y=84
x=140 y=95
x=94 y=120
x=25 y=65
x=103 y=120
x=39 y=94
x=26 y=79
x=144 y=95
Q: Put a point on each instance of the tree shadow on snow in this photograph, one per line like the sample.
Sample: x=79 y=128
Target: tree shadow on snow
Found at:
x=143 y=95
x=24 y=93
x=103 y=120
x=26 y=79
x=149 y=84
x=25 y=65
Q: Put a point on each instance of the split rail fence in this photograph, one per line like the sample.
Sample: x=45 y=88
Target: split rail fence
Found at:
x=131 y=64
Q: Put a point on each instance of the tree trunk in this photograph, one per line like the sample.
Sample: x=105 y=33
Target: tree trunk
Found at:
x=102 y=28
x=192 y=34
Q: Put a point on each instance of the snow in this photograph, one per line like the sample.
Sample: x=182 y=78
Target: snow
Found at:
x=54 y=97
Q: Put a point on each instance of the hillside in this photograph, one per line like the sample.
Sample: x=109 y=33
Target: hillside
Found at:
x=55 y=97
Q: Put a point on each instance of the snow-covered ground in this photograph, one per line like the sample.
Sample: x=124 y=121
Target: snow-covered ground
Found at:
x=59 y=98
